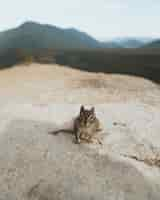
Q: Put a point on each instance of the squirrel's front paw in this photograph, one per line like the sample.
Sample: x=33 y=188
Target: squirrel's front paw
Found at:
x=77 y=141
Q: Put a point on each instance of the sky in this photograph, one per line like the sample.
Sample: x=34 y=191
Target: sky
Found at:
x=103 y=19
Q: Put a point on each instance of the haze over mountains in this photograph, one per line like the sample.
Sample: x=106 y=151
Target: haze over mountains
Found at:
x=131 y=42
x=34 y=35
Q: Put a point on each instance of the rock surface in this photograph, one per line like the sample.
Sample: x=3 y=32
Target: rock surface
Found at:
x=35 y=165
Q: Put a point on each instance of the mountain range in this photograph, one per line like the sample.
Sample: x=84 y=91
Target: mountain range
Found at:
x=33 y=35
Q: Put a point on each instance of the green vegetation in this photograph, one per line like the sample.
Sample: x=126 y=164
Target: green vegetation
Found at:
x=139 y=62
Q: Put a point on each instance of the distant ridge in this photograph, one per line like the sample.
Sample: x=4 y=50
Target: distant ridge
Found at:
x=130 y=42
x=153 y=44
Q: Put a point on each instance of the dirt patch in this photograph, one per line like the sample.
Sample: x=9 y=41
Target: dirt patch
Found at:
x=93 y=83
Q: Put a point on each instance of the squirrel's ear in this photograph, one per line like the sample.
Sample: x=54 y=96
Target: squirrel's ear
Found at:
x=92 y=109
x=82 y=109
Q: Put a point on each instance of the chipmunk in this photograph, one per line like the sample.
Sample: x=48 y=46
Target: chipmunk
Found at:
x=85 y=126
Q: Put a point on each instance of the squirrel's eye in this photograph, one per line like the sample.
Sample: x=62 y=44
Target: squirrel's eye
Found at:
x=91 y=119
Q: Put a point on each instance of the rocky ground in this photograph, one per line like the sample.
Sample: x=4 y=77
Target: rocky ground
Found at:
x=35 y=99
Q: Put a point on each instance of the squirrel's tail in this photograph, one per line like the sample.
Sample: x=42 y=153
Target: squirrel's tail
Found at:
x=61 y=130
